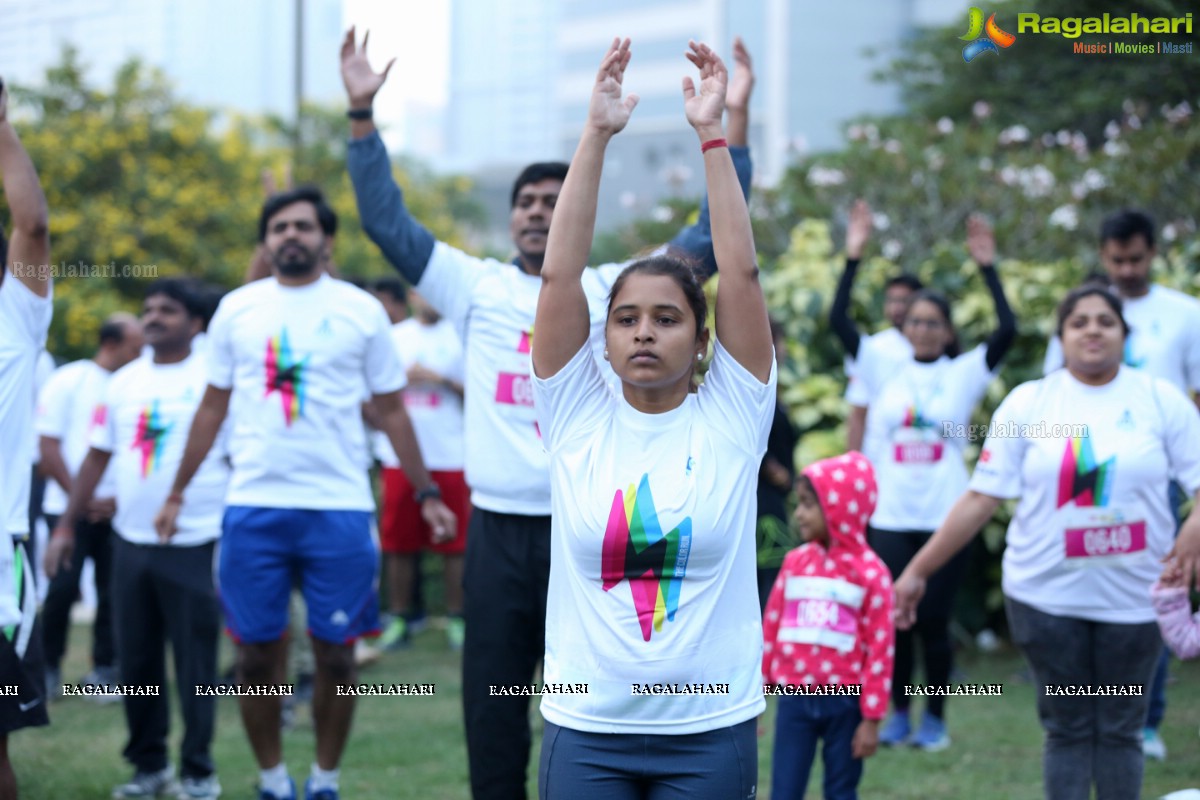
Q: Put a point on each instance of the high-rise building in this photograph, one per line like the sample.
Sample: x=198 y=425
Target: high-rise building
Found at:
x=814 y=64
x=232 y=54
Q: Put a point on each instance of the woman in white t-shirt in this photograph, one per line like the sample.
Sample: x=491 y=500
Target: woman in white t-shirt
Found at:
x=918 y=411
x=1089 y=451
x=653 y=637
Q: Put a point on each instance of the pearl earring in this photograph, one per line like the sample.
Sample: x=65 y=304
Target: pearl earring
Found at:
x=699 y=356
x=606 y=354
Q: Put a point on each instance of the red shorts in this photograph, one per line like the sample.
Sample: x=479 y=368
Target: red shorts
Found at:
x=401 y=527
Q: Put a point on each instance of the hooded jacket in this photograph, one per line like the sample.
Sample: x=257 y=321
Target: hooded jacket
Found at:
x=829 y=618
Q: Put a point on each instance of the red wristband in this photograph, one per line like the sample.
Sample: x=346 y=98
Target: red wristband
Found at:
x=711 y=143
x=176 y=498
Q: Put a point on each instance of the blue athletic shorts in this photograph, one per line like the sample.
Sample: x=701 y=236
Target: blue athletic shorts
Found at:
x=330 y=554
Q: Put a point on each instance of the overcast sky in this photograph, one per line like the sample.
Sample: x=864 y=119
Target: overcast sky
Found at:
x=417 y=34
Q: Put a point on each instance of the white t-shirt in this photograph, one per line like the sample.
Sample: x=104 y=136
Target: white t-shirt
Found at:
x=70 y=406
x=669 y=495
x=1093 y=518
x=41 y=373
x=436 y=412
x=1164 y=338
x=149 y=411
x=916 y=434
x=889 y=346
x=492 y=305
x=24 y=323
x=299 y=361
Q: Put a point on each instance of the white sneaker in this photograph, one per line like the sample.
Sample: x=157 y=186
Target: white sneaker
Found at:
x=200 y=788
x=148 y=784
x=1153 y=745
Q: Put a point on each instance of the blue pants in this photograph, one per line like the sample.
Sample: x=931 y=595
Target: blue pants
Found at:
x=721 y=764
x=799 y=723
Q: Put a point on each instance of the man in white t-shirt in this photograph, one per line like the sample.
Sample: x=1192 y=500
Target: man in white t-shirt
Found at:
x=161 y=591
x=70 y=406
x=25 y=309
x=293 y=356
x=888 y=345
x=1164 y=324
x=491 y=304
x=432 y=356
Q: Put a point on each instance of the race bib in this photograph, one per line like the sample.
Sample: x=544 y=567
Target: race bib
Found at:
x=515 y=390
x=917 y=446
x=821 y=611
x=1101 y=537
x=422 y=398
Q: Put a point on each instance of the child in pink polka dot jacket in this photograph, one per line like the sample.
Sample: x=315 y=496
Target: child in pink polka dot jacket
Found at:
x=828 y=636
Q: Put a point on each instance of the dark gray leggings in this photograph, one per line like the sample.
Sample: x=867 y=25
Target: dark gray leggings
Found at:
x=721 y=764
x=1090 y=741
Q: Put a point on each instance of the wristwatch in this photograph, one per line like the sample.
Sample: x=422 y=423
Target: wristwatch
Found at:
x=430 y=492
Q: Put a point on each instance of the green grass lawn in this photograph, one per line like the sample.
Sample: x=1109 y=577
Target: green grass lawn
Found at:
x=412 y=747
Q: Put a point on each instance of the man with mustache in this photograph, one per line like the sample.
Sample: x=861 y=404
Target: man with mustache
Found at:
x=492 y=305
x=297 y=353
x=161 y=591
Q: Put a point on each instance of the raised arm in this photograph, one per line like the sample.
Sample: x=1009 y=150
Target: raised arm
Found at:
x=695 y=241
x=981 y=244
x=405 y=243
x=858 y=231
x=742 y=326
x=29 y=245
x=562 y=311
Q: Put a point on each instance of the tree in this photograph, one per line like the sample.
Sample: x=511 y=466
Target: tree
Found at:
x=133 y=176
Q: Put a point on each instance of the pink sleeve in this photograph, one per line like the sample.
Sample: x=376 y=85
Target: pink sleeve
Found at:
x=771 y=616
x=878 y=637
x=1180 y=630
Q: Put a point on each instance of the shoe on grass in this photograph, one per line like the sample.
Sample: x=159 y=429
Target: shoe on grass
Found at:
x=206 y=788
x=1153 y=745
x=263 y=794
x=931 y=736
x=396 y=635
x=148 y=784
x=319 y=794
x=896 y=730
x=456 y=632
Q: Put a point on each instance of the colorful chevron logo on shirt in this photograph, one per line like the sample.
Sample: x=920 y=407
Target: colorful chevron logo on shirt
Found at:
x=1081 y=479
x=285 y=374
x=983 y=37
x=914 y=419
x=637 y=550
x=525 y=345
x=150 y=436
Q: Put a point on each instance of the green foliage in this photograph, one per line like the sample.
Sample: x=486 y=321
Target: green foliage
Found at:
x=1039 y=82
x=133 y=176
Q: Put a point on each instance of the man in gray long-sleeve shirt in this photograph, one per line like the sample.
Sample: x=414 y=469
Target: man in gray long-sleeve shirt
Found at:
x=492 y=305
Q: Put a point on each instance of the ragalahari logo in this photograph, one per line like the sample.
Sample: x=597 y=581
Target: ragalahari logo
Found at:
x=984 y=37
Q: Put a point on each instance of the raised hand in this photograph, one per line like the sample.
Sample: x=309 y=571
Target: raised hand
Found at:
x=858 y=229
x=981 y=244
x=704 y=108
x=742 y=82
x=361 y=82
x=608 y=112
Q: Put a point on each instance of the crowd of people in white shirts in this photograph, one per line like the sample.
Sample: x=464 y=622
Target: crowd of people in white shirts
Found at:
x=213 y=457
